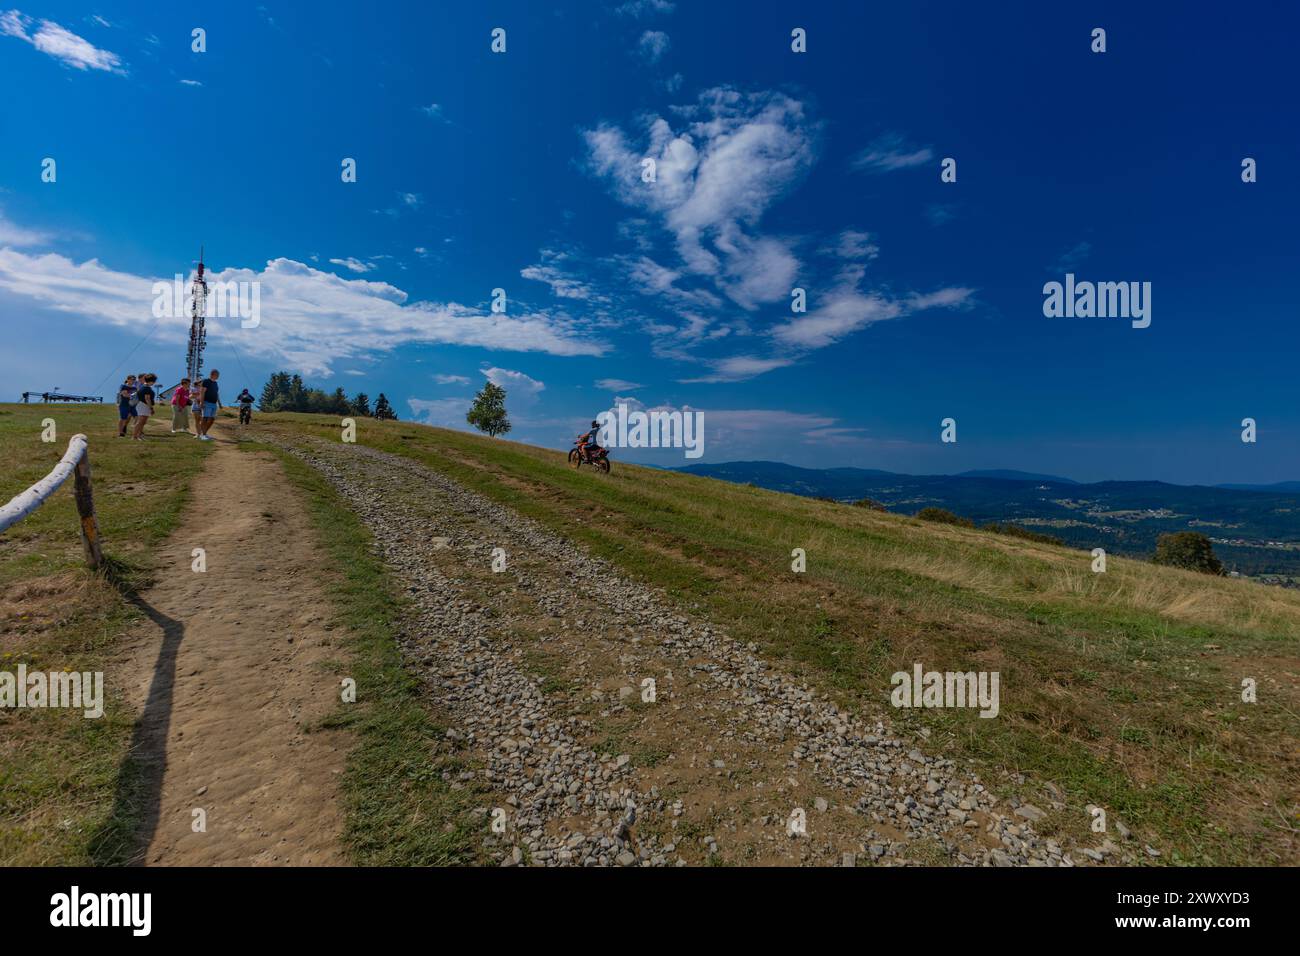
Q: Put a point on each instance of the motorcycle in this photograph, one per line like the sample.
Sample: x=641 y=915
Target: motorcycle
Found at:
x=599 y=460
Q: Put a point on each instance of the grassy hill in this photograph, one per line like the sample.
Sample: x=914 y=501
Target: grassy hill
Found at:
x=1122 y=689
x=59 y=772
x=1256 y=531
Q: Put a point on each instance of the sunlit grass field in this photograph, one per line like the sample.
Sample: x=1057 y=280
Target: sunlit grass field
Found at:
x=58 y=770
x=1124 y=689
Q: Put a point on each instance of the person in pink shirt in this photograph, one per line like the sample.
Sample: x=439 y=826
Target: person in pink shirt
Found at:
x=181 y=407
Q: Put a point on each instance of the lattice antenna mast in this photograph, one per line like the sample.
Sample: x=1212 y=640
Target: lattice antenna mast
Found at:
x=198 y=318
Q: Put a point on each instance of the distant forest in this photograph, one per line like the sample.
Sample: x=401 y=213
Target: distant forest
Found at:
x=287 y=393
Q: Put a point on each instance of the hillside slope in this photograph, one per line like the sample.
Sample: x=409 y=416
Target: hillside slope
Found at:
x=1120 y=689
x=1256 y=531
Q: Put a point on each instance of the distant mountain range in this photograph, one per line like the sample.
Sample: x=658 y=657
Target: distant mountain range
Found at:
x=1288 y=487
x=1005 y=474
x=1255 y=528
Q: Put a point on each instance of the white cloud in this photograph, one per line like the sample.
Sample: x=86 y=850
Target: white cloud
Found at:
x=739 y=368
x=939 y=213
x=765 y=419
x=738 y=433
x=1072 y=257
x=451 y=379
x=645 y=8
x=406 y=202
x=637 y=231
x=443 y=412
x=355 y=265
x=552 y=270
x=616 y=385
x=943 y=299
x=719 y=165
x=309 y=318
x=434 y=111
x=651 y=278
x=520 y=389
x=190 y=83
x=889 y=152
x=840 y=313
x=17 y=237
x=715 y=178
x=755 y=432
x=853 y=244
x=757 y=270
x=654 y=44
x=846 y=310
x=60 y=43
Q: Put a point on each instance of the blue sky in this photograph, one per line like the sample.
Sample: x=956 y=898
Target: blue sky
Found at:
x=774 y=169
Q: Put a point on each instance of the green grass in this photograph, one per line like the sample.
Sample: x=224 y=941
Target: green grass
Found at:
x=58 y=770
x=1122 y=688
x=399 y=811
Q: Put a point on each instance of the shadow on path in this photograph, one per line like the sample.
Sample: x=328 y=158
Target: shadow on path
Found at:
x=125 y=837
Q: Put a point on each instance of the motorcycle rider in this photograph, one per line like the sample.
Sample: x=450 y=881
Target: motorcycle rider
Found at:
x=245 y=401
x=587 y=443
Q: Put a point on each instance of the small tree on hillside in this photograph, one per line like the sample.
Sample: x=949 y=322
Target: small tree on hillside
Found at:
x=383 y=410
x=488 y=413
x=1187 y=549
x=943 y=516
x=870 y=503
x=361 y=404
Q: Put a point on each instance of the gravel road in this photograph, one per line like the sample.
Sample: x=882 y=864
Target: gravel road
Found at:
x=542 y=655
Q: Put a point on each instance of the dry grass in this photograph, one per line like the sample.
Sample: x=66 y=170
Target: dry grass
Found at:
x=58 y=770
x=1123 y=688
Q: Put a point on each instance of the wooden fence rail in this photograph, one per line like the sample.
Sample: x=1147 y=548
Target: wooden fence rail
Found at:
x=74 y=463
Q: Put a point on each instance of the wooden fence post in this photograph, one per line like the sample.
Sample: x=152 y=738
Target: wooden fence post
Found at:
x=86 y=509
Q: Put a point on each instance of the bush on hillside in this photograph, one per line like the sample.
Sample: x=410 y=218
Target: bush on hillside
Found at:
x=1015 y=531
x=870 y=503
x=943 y=516
x=1187 y=549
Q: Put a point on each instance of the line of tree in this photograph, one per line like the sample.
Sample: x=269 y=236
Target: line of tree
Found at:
x=288 y=393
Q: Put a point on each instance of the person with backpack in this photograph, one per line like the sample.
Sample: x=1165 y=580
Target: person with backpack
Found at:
x=181 y=408
x=144 y=401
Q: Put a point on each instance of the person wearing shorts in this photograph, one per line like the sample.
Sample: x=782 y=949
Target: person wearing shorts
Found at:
x=144 y=399
x=210 y=396
x=125 y=405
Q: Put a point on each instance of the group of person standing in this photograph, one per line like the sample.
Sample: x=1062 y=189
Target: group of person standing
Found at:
x=138 y=396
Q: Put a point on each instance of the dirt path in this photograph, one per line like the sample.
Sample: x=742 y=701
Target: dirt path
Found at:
x=231 y=672
x=543 y=661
